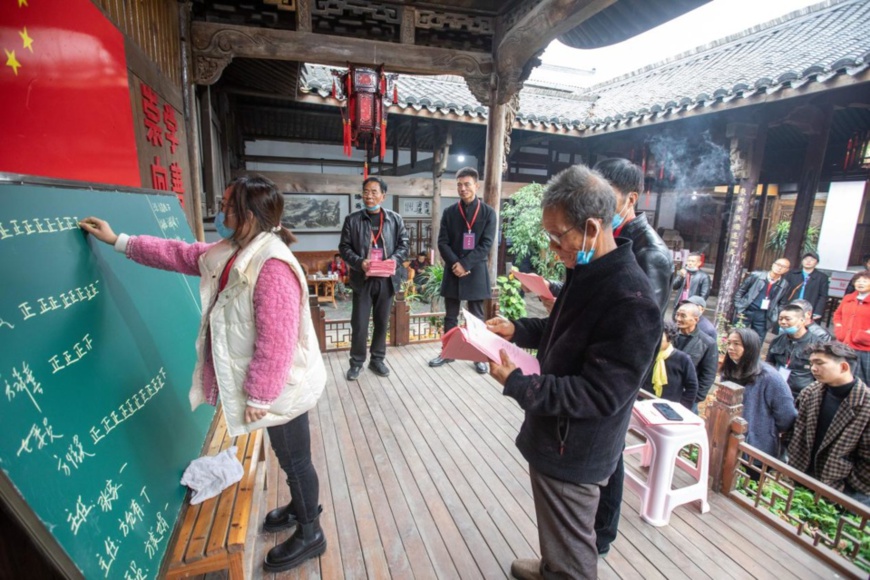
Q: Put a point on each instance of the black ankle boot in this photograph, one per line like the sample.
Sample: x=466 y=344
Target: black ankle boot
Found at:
x=279 y=519
x=306 y=542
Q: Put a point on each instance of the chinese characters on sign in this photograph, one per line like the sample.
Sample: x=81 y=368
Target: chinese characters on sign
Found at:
x=161 y=124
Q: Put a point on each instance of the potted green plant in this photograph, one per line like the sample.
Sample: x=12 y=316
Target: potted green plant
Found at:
x=522 y=226
x=778 y=237
x=510 y=301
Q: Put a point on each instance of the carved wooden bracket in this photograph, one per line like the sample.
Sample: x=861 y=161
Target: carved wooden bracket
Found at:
x=206 y=71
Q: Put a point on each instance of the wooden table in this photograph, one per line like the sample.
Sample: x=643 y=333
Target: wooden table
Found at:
x=323 y=288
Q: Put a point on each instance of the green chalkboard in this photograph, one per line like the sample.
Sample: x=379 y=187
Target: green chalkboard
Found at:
x=95 y=367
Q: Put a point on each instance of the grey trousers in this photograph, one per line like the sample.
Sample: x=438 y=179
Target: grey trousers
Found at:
x=566 y=526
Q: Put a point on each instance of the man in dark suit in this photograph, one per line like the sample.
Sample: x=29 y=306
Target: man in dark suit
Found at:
x=809 y=284
x=758 y=300
x=701 y=348
x=372 y=234
x=691 y=281
x=464 y=240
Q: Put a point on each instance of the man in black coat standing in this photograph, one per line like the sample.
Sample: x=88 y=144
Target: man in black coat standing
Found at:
x=593 y=362
x=809 y=284
x=464 y=240
x=691 y=281
x=654 y=258
x=372 y=234
x=760 y=296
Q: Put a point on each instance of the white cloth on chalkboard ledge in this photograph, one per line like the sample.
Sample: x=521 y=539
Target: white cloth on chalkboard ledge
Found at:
x=208 y=476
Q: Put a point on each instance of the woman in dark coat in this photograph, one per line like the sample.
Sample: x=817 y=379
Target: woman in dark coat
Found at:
x=673 y=375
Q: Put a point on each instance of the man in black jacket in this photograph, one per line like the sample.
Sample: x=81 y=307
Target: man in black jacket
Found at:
x=650 y=251
x=701 y=348
x=592 y=365
x=809 y=284
x=654 y=258
x=464 y=241
x=691 y=281
x=789 y=352
x=372 y=234
x=760 y=296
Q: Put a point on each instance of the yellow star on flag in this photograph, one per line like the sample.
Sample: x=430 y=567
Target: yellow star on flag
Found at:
x=28 y=42
x=11 y=61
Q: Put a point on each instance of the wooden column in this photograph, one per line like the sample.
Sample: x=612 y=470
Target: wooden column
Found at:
x=747 y=155
x=193 y=198
x=721 y=248
x=493 y=169
x=440 y=155
x=816 y=121
x=400 y=315
x=736 y=436
x=759 y=227
x=727 y=406
x=211 y=189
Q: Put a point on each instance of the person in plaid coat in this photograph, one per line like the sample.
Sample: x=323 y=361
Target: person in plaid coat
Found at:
x=831 y=440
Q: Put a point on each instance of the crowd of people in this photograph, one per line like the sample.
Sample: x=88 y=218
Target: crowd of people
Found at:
x=605 y=337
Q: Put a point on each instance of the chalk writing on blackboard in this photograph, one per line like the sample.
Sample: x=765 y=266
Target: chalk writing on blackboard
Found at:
x=74 y=457
x=65 y=359
x=67 y=299
x=26 y=227
x=38 y=436
x=129 y=407
x=23 y=381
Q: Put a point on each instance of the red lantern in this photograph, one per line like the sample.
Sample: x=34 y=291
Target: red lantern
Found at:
x=364 y=122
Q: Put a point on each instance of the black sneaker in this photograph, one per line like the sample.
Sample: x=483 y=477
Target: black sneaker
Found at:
x=353 y=373
x=438 y=361
x=379 y=368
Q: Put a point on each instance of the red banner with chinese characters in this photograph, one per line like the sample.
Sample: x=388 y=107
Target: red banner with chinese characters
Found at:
x=64 y=95
x=159 y=140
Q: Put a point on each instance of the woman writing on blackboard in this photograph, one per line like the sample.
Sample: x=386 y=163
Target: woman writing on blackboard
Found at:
x=257 y=350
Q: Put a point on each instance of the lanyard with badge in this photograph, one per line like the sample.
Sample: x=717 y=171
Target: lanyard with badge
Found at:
x=765 y=304
x=376 y=254
x=468 y=239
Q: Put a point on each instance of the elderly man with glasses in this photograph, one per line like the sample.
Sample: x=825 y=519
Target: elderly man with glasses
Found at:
x=594 y=350
x=759 y=297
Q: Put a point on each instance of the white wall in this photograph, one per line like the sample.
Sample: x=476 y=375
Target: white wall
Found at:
x=668 y=210
x=838 y=224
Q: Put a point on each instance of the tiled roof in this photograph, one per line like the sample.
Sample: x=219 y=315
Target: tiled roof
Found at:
x=812 y=45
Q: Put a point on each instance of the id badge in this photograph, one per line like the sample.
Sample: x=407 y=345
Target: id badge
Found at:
x=765 y=304
x=468 y=241
x=784 y=373
x=376 y=254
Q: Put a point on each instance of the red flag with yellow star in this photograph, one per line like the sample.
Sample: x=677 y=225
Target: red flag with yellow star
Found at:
x=65 y=107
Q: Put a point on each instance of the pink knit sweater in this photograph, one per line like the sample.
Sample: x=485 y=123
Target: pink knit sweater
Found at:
x=277 y=297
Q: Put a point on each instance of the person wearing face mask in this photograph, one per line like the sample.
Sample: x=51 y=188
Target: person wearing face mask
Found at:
x=789 y=351
x=465 y=238
x=852 y=323
x=810 y=321
x=372 y=234
x=768 y=404
x=650 y=251
x=691 y=281
x=809 y=284
x=593 y=362
x=257 y=351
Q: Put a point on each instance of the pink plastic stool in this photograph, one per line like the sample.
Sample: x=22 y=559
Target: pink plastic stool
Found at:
x=660 y=453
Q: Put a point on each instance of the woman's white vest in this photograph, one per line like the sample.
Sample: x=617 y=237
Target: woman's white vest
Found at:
x=233 y=332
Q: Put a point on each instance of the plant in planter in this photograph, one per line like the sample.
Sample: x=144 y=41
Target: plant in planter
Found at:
x=431 y=290
x=779 y=236
x=510 y=301
x=342 y=291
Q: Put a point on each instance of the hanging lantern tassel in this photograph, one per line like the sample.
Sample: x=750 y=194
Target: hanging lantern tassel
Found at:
x=366 y=169
x=395 y=93
x=333 y=89
x=346 y=138
x=383 y=137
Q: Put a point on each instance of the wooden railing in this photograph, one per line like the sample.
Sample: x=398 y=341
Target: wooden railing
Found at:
x=825 y=522
x=405 y=328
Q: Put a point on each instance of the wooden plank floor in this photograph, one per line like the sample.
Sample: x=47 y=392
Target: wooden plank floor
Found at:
x=420 y=478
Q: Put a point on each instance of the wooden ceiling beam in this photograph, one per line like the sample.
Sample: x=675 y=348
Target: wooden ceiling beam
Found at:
x=215 y=45
x=519 y=48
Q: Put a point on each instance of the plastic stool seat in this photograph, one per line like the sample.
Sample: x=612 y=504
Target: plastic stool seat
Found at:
x=661 y=453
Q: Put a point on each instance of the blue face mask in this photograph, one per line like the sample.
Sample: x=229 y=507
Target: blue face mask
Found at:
x=222 y=230
x=790 y=329
x=373 y=208
x=616 y=221
x=585 y=256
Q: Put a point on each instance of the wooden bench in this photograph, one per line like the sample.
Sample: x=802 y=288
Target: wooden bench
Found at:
x=211 y=536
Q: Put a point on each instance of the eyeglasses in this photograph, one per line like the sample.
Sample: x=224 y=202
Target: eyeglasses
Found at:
x=558 y=239
x=780 y=265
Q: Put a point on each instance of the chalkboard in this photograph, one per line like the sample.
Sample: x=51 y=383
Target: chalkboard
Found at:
x=95 y=367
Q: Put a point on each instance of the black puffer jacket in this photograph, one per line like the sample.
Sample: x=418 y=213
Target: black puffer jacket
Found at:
x=356 y=241
x=594 y=349
x=755 y=283
x=653 y=257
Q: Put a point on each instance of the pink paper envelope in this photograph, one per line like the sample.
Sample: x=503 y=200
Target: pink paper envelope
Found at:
x=464 y=344
x=536 y=284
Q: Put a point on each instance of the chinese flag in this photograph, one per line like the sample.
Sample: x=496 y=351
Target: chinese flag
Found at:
x=64 y=99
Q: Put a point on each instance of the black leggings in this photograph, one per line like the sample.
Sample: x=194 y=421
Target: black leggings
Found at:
x=292 y=444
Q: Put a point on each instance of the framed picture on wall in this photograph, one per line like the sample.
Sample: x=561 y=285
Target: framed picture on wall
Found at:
x=415 y=207
x=315 y=212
